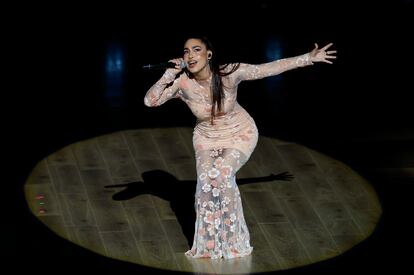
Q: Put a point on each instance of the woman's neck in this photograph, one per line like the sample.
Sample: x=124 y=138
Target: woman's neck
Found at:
x=203 y=75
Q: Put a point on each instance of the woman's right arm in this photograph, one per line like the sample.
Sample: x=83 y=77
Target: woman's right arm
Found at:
x=163 y=90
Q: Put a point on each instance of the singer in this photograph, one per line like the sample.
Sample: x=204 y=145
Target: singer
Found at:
x=224 y=137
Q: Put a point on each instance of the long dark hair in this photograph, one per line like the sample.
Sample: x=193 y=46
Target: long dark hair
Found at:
x=218 y=72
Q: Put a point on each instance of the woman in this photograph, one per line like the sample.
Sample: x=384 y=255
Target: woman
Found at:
x=224 y=137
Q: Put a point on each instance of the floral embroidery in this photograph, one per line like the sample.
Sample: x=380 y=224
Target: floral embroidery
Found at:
x=226 y=171
x=213 y=173
x=235 y=153
x=221 y=228
x=206 y=188
x=218 y=161
x=216 y=152
x=202 y=176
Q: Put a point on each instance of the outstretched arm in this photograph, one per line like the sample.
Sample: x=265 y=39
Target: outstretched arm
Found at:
x=251 y=72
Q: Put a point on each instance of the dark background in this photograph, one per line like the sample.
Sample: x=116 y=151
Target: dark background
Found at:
x=358 y=110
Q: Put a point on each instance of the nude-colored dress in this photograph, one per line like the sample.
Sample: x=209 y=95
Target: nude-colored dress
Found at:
x=221 y=150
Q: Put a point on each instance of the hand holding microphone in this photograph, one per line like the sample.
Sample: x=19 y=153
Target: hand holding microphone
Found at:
x=177 y=65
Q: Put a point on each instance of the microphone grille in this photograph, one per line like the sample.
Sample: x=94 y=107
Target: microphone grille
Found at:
x=183 y=64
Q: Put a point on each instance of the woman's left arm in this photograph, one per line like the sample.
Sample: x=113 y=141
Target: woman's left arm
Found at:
x=251 y=72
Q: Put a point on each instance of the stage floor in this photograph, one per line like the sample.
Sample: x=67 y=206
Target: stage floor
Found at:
x=129 y=195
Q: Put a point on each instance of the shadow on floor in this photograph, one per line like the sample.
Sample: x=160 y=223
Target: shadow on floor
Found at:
x=180 y=194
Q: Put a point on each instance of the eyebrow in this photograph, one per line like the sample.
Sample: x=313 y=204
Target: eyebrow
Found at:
x=197 y=46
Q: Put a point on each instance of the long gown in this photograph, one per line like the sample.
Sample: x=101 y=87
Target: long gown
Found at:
x=221 y=150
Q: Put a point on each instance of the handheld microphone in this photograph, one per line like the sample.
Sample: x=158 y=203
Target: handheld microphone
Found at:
x=164 y=65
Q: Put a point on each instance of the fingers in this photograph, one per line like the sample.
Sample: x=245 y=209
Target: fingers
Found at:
x=322 y=55
x=178 y=62
x=327 y=46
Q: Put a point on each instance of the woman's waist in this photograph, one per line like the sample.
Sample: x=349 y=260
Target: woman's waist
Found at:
x=225 y=125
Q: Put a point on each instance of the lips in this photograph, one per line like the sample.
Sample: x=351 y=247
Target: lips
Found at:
x=192 y=63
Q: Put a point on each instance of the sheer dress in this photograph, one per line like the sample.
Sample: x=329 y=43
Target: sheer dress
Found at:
x=221 y=149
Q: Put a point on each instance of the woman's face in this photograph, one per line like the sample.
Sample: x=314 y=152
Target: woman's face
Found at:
x=196 y=55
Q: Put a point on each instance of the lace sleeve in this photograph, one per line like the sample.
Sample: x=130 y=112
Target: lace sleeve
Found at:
x=163 y=90
x=251 y=72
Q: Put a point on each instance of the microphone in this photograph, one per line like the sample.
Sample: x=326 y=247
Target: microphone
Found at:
x=164 y=65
